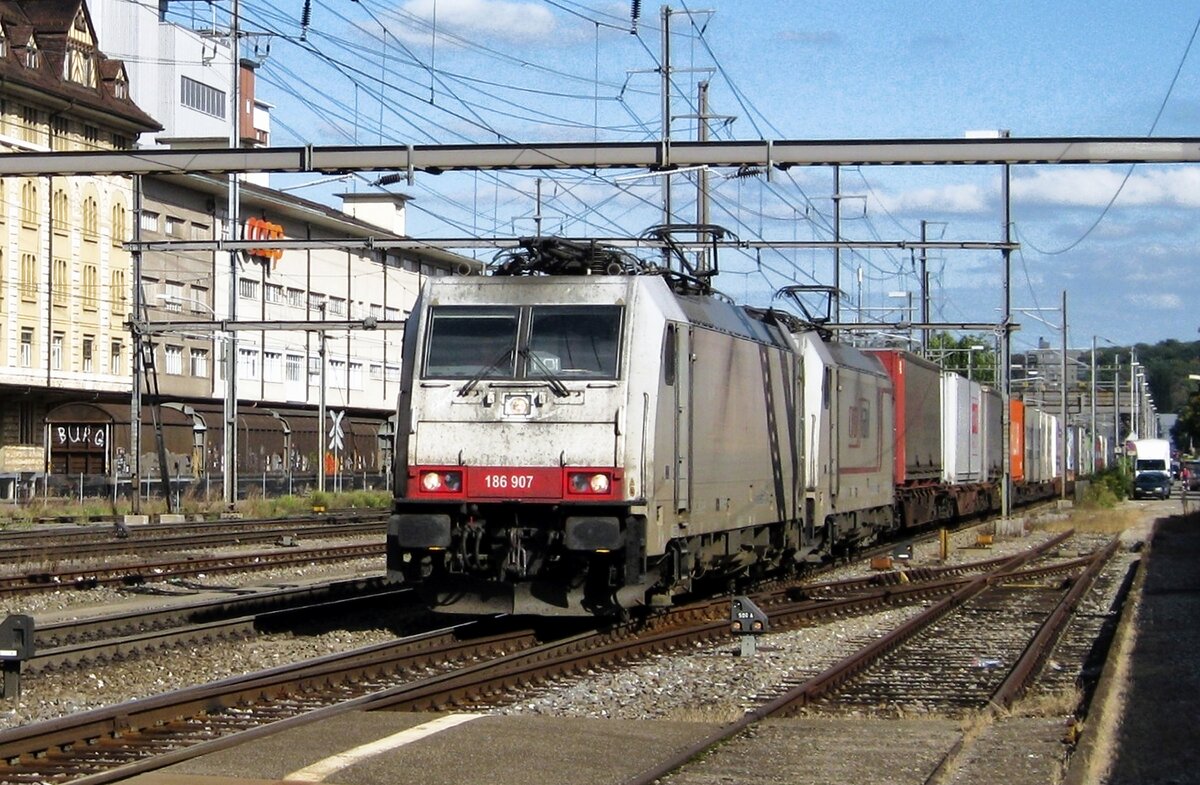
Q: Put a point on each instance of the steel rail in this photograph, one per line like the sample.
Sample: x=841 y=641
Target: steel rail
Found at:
x=75 y=551
x=843 y=670
x=145 y=572
x=245 y=601
x=50 y=743
x=530 y=664
x=160 y=639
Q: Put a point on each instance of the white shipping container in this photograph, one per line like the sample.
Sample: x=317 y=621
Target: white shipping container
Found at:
x=962 y=431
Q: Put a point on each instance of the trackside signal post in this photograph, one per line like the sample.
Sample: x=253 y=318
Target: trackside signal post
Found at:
x=747 y=621
x=16 y=646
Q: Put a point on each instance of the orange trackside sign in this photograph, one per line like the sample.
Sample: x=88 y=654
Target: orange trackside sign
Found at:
x=262 y=229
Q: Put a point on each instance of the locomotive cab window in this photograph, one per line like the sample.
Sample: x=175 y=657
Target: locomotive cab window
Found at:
x=470 y=341
x=559 y=341
x=574 y=341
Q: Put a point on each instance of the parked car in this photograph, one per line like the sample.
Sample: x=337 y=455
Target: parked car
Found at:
x=1152 y=484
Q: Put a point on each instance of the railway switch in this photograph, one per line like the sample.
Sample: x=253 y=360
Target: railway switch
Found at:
x=16 y=646
x=747 y=621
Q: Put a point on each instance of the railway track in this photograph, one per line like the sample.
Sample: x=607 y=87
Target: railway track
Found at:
x=134 y=573
x=90 y=642
x=424 y=672
x=37 y=533
x=53 y=549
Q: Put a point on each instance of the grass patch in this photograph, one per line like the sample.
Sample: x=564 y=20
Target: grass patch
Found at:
x=1112 y=520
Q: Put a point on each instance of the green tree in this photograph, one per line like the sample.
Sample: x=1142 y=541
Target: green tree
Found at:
x=1186 y=433
x=968 y=355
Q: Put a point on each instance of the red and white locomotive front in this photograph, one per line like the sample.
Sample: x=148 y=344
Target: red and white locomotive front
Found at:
x=512 y=486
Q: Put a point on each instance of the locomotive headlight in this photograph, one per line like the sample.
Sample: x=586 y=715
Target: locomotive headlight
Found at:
x=441 y=482
x=589 y=482
x=517 y=405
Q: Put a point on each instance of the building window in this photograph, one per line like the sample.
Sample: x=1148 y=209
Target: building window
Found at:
x=273 y=293
x=26 y=347
x=248 y=288
x=375 y=372
x=173 y=360
x=117 y=292
x=172 y=296
x=295 y=297
x=337 y=306
x=118 y=230
x=29 y=277
x=26 y=424
x=272 y=367
x=60 y=133
x=356 y=372
x=56 y=351
x=62 y=211
x=198 y=362
x=91 y=287
x=247 y=367
x=29 y=203
x=121 y=141
x=61 y=282
x=33 y=124
x=91 y=137
x=174 y=226
x=199 y=231
x=198 y=300
x=148 y=221
x=293 y=368
x=116 y=360
x=202 y=97
x=89 y=343
x=392 y=314
x=337 y=374
x=32 y=56
x=91 y=219
x=392 y=373
x=316 y=302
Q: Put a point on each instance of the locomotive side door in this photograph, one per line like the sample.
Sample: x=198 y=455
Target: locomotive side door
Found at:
x=683 y=416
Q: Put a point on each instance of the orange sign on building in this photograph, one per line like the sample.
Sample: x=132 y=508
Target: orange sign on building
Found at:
x=262 y=229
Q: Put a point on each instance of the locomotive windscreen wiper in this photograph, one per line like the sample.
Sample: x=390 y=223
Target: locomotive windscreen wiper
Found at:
x=484 y=371
x=556 y=386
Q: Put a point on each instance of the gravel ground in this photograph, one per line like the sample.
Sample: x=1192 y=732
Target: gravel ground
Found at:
x=708 y=683
x=55 y=695
x=712 y=683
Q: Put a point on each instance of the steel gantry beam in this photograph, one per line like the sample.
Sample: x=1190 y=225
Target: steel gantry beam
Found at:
x=501 y=243
x=435 y=159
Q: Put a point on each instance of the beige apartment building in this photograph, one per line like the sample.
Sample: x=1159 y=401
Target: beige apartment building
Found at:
x=67 y=294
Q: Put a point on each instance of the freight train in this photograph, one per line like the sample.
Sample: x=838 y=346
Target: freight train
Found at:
x=581 y=434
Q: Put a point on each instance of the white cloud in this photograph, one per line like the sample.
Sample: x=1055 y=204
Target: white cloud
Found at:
x=1094 y=187
x=508 y=20
x=1164 y=300
x=952 y=198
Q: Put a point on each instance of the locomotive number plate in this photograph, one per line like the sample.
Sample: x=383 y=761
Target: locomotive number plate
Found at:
x=514 y=483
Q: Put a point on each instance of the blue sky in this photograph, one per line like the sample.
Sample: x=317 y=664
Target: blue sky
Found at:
x=526 y=70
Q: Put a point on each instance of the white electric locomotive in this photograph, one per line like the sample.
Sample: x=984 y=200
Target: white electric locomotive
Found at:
x=583 y=443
